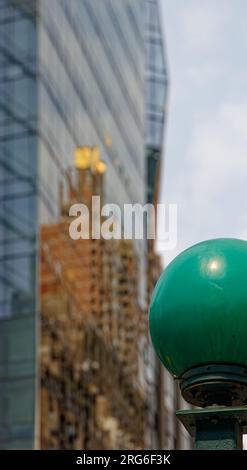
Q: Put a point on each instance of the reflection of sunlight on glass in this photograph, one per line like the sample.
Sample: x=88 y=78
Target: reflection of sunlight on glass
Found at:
x=214 y=265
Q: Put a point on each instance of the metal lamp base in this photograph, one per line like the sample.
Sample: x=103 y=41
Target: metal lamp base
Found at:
x=215 y=428
x=215 y=384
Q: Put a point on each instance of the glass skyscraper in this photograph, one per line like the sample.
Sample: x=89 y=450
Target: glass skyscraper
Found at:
x=91 y=92
x=18 y=222
x=156 y=93
x=72 y=73
x=160 y=382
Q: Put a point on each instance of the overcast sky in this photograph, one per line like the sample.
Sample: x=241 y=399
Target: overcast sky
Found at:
x=205 y=170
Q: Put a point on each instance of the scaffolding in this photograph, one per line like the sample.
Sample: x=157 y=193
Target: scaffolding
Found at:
x=91 y=330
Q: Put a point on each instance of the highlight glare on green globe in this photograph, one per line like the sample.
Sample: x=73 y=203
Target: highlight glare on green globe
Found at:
x=198 y=312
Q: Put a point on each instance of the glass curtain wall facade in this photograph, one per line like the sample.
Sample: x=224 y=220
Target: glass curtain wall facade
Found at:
x=93 y=94
x=156 y=92
x=18 y=222
x=71 y=74
x=160 y=382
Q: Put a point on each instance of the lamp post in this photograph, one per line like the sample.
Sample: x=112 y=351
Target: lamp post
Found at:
x=198 y=326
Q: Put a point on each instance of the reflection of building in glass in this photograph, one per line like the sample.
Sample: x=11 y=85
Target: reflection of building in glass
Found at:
x=71 y=73
x=93 y=93
x=93 y=395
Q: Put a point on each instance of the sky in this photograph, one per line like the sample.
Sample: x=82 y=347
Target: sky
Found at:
x=205 y=158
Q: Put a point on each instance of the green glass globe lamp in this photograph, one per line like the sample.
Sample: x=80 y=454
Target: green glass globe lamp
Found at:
x=198 y=322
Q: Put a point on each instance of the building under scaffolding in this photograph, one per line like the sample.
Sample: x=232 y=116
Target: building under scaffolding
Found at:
x=94 y=93
x=93 y=391
x=71 y=72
